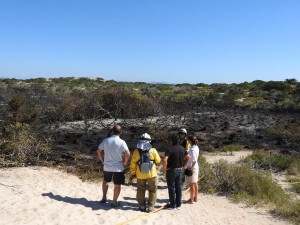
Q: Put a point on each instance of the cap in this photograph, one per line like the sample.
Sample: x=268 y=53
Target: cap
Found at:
x=145 y=136
x=182 y=131
x=144 y=142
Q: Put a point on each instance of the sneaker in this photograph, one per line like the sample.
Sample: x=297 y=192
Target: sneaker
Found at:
x=178 y=208
x=169 y=206
x=151 y=208
x=115 y=205
x=103 y=201
x=142 y=208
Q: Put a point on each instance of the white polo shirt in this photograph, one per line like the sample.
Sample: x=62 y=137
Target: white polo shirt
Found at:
x=113 y=147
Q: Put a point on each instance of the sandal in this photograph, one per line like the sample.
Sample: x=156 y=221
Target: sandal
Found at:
x=188 y=201
x=115 y=205
x=103 y=201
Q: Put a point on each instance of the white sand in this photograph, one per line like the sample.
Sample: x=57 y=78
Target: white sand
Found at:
x=233 y=157
x=48 y=196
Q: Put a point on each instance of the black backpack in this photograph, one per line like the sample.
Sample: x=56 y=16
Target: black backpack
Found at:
x=145 y=163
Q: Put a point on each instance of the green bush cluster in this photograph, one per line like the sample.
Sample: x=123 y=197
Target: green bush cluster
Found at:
x=288 y=163
x=276 y=95
x=289 y=133
x=20 y=144
x=242 y=183
x=231 y=148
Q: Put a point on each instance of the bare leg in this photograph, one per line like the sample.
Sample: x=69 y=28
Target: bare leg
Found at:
x=104 y=189
x=117 y=190
x=191 y=193
x=196 y=191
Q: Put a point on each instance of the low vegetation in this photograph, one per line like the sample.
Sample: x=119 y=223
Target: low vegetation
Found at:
x=32 y=110
x=253 y=186
x=275 y=162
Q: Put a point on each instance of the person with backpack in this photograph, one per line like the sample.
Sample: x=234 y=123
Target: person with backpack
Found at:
x=174 y=163
x=143 y=167
x=113 y=154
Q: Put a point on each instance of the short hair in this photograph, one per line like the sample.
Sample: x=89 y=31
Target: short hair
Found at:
x=174 y=139
x=193 y=139
x=117 y=129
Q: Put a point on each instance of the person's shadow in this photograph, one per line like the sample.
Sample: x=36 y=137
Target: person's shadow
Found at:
x=94 y=205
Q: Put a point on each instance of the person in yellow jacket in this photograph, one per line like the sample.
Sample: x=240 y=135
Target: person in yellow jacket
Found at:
x=143 y=168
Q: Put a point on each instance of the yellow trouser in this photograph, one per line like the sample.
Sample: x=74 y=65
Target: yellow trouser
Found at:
x=142 y=185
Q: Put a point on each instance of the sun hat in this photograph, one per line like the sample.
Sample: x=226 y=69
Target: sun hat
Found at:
x=144 y=142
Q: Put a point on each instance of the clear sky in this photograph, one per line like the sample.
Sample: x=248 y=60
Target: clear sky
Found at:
x=173 y=41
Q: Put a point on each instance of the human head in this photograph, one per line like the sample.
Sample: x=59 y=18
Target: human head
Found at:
x=182 y=133
x=193 y=139
x=117 y=129
x=145 y=136
x=174 y=139
x=144 y=142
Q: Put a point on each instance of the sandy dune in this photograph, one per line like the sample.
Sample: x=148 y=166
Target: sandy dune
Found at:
x=39 y=195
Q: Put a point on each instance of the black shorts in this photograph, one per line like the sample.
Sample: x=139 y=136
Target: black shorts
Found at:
x=118 y=177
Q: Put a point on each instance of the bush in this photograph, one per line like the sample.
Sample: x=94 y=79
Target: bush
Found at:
x=231 y=148
x=242 y=183
x=276 y=85
x=277 y=162
x=22 y=145
x=240 y=180
x=290 y=134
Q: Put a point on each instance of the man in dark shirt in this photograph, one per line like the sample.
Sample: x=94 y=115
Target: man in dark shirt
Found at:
x=174 y=163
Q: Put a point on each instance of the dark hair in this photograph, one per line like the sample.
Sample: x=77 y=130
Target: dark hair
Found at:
x=117 y=129
x=174 y=139
x=193 y=139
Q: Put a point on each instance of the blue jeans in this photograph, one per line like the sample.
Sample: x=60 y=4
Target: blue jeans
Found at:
x=174 y=180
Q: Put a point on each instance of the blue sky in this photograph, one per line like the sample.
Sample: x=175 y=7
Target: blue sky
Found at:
x=192 y=41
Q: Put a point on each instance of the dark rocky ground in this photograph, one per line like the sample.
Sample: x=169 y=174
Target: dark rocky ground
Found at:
x=215 y=128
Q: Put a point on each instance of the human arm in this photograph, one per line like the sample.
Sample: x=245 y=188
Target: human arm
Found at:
x=164 y=162
x=193 y=158
x=187 y=157
x=133 y=163
x=126 y=157
x=100 y=155
x=157 y=158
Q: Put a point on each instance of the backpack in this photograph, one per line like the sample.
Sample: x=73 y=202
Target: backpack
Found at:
x=145 y=163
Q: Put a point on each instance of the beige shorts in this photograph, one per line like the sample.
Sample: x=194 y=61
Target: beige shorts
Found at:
x=194 y=178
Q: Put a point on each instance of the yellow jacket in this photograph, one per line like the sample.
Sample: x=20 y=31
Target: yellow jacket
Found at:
x=135 y=168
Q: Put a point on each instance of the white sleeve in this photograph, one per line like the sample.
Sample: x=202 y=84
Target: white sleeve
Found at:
x=193 y=155
x=125 y=147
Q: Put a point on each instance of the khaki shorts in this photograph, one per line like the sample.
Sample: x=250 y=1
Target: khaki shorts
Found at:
x=194 y=178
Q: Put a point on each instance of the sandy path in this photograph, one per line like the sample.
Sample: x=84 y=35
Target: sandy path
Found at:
x=233 y=157
x=48 y=196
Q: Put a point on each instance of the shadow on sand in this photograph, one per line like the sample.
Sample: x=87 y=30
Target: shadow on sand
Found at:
x=94 y=205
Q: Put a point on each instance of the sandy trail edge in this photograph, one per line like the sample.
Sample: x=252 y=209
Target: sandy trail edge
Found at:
x=39 y=195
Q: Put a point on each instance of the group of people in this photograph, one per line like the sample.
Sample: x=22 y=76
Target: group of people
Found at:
x=180 y=157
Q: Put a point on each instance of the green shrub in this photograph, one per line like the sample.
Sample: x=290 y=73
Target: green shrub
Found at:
x=265 y=160
x=231 y=148
x=289 y=210
x=294 y=167
x=242 y=183
x=276 y=85
x=21 y=144
x=290 y=134
x=240 y=180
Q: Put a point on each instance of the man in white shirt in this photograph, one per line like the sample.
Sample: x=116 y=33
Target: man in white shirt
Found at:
x=113 y=148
